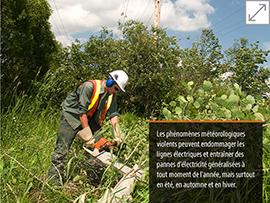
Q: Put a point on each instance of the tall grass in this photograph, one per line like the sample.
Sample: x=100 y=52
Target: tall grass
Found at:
x=28 y=136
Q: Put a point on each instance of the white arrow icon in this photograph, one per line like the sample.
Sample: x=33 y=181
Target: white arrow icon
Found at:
x=252 y=18
x=257 y=12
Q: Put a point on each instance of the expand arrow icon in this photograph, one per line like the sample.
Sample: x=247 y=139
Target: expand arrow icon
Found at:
x=252 y=18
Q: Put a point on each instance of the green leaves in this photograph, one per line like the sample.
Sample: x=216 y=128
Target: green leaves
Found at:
x=203 y=60
x=190 y=99
x=167 y=113
x=178 y=111
x=233 y=98
x=207 y=103
x=207 y=85
x=182 y=99
x=28 y=46
x=245 y=61
x=223 y=97
x=197 y=104
x=249 y=100
x=173 y=103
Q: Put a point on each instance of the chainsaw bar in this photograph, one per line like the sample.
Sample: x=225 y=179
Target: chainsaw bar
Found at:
x=106 y=158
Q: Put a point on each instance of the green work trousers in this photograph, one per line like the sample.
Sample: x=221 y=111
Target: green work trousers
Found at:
x=65 y=136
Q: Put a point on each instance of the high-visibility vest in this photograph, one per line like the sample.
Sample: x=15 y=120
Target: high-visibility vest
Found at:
x=94 y=102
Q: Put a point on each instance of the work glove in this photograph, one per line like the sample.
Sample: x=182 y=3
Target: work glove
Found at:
x=118 y=141
x=90 y=143
x=86 y=135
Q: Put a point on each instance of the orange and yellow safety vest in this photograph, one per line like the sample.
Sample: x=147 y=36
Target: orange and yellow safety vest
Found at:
x=95 y=99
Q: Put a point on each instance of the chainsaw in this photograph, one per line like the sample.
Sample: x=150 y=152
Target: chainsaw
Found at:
x=102 y=151
x=105 y=145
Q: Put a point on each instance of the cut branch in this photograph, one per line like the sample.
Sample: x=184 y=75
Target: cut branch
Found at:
x=24 y=167
x=126 y=159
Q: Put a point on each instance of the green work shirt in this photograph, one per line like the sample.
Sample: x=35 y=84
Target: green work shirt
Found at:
x=77 y=102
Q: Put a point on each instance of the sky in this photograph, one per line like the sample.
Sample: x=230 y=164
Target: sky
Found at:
x=185 y=19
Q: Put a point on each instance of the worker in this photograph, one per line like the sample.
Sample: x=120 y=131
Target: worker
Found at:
x=82 y=115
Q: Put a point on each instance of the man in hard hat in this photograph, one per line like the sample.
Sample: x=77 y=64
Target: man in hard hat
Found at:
x=82 y=115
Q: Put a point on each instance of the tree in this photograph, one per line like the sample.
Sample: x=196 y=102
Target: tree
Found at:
x=203 y=60
x=245 y=62
x=151 y=62
x=27 y=42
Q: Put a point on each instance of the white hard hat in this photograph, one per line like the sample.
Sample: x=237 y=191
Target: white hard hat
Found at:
x=120 y=77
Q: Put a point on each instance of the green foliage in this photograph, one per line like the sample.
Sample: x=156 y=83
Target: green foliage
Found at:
x=245 y=62
x=58 y=82
x=206 y=103
x=218 y=103
x=27 y=43
x=203 y=60
x=151 y=64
